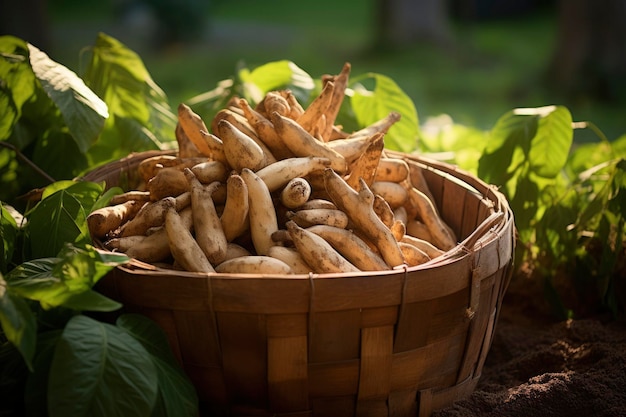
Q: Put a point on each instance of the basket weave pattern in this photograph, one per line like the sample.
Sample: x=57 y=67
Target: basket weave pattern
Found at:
x=394 y=343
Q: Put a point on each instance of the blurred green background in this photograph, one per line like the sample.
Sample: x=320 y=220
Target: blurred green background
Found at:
x=482 y=58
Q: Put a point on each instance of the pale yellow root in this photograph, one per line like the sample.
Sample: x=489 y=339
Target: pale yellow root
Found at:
x=295 y=193
x=206 y=223
x=136 y=195
x=105 y=220
x=149 y=167
x=265 y=130
x=302 y=143
x=431 y=250
x=155 y=247
x=168 y=182
x=241 y=150
x=279 y=173
x=291 y=257
x=352 y=247
x=150 y=215
x=186 y=148
x=192 y=124
x=317 y=203
x=442 y=237
x=317 y=109
x=234 y=218
x=359 y=208
x=254 y=264
x=364 y=168
x=183 y=246
x=412 y=254
x=262 y=214
x=310 y=217
x=381 y=126
x=392 y=169
x=210 y=171
x=339 y=92
x=395 y=194
x=317 y=252
x=418 y=229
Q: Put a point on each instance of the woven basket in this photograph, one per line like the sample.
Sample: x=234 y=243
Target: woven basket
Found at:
x=394 y=343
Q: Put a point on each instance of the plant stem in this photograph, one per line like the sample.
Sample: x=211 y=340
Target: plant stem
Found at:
x=28 y=162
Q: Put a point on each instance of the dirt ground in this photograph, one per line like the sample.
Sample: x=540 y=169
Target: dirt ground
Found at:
x=538 y=366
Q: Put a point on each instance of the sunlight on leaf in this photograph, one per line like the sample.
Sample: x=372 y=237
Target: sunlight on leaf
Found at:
x=18 y=81
x=61 y=217
x=551 y=145
x=83 y=111
x=276 y=75
x=61 y=281
x=137 y=105
x=372 y=104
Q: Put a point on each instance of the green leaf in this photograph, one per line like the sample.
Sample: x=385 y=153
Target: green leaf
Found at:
x=371 y=105
x=18 y=322
x=104 y=200
x=137 y=105
x=8 y=236
x=273 y=76
x=177 y=396
x=18 y=82
x=66 y=280
x=100 y=370
x=83 y=111
x=61 y=217
x=511 y=135
x=91 y=300
x=589 y=155
x=551 y=145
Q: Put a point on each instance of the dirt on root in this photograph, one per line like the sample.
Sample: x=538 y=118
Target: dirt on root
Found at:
x=538 y=366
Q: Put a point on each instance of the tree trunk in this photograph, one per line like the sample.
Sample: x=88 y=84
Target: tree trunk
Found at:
x=590 y=55
x=401 y=22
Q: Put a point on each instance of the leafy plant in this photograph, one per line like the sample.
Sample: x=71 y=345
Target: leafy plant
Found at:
x=57 y=358
x=568 y=201
x=56 y=125
x=124 y=368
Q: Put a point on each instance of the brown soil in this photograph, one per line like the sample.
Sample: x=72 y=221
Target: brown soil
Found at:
x=538 y=366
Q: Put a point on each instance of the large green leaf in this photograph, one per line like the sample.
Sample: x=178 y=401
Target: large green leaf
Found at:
x=544 y=135
x=551 y=145
x=511 y=135
x=18 y=82
x=66 y=280
x=371 y=105
x=83 y=111
x=61 y=217
x=99 y=370
x=273 y=76
x=118 y=75
x=18 y=322
x=177 y=396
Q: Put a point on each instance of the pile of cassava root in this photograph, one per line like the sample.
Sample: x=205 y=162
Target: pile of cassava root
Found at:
x=275 y=188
